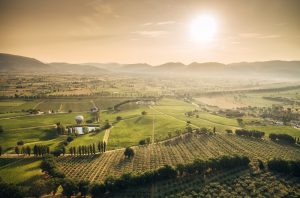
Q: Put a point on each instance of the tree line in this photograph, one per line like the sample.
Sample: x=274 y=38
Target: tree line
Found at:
x=250 y=133
x=113 y=185
x=38 y=150
x=88 y=149
x=285 y=166
x=282 y=137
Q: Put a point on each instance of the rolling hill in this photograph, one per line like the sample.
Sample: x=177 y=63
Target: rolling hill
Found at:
x=266 y=69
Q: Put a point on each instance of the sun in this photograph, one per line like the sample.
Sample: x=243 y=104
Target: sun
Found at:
x=203 y=28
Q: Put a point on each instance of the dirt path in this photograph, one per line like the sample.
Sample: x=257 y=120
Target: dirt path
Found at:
x=106 y=135
x=35 y=106
x=93 y=103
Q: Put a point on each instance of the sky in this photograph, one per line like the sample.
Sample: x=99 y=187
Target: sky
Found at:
x=150 y=31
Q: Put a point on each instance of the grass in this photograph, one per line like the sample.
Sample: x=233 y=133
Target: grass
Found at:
x=130 y=131
x=21 y=171
x=86 y=139
x=16 y=105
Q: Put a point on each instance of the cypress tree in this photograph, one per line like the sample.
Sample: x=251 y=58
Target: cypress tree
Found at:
x=64 y=150
x=35 y=150
x=28 y=150
x=99 y=146
x=79 y=150
x=17 y=150
x=94 y=149
x=104 y=147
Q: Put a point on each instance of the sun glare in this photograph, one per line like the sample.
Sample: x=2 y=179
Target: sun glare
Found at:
x=203 y=28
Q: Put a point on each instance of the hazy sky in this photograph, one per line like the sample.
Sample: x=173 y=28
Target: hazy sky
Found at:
x=155 y=32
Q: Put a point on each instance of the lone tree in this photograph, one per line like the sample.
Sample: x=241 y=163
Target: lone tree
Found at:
x=144 y=112
x=129 y=152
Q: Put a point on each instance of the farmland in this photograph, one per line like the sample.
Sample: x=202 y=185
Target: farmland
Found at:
x=97 y=168
x=164 y=124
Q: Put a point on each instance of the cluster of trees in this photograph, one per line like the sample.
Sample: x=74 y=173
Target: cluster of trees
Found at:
x=10 y=190
x=24 y=150
x=285 y=166
x=191 y=113
x=106 y=125
x=49 y=166
x=60 y=129
x=282 y=137
x=214 y=164
x=41 y=150
x=250 y=133
x=122 y=103
x=231 y=113
x=145 y=141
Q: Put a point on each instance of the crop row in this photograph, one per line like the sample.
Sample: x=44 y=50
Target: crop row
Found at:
x=151 y=157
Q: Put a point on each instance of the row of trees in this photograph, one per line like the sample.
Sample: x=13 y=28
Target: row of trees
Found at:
x=285 y=166
x=112 y=184
x=38 y=150
x=282 y=137
x=83 y=150
x=88 y=149
x=24 y=150
x=250 y=133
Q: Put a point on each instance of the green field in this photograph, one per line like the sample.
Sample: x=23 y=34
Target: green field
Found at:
x=168 y=114
x=11 y=106
x=20 y=171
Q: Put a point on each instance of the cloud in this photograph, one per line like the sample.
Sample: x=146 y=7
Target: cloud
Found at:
x=150 y=34
x=159 y=23
x=259 y=36
x=147 y=24
x=249 y=35
x=165 y=22
x=270 y=36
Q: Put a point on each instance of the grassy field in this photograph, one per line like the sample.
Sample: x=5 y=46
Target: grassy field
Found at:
x=11 y=106
x=169 y=116
x=20 y=171
x=129 y=132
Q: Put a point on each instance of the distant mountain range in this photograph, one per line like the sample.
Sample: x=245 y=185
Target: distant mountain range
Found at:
x=266 y=69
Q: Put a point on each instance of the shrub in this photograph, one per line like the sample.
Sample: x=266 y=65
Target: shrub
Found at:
x=70 y=139
x=97 y=190
x=10 y=190
x=282 y=137
x=70 y=187
x=20 y=143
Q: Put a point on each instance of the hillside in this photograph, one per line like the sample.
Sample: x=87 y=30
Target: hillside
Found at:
x=267 y=69
x=13 y=63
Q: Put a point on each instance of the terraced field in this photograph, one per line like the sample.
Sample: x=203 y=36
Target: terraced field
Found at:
x=97 y=168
